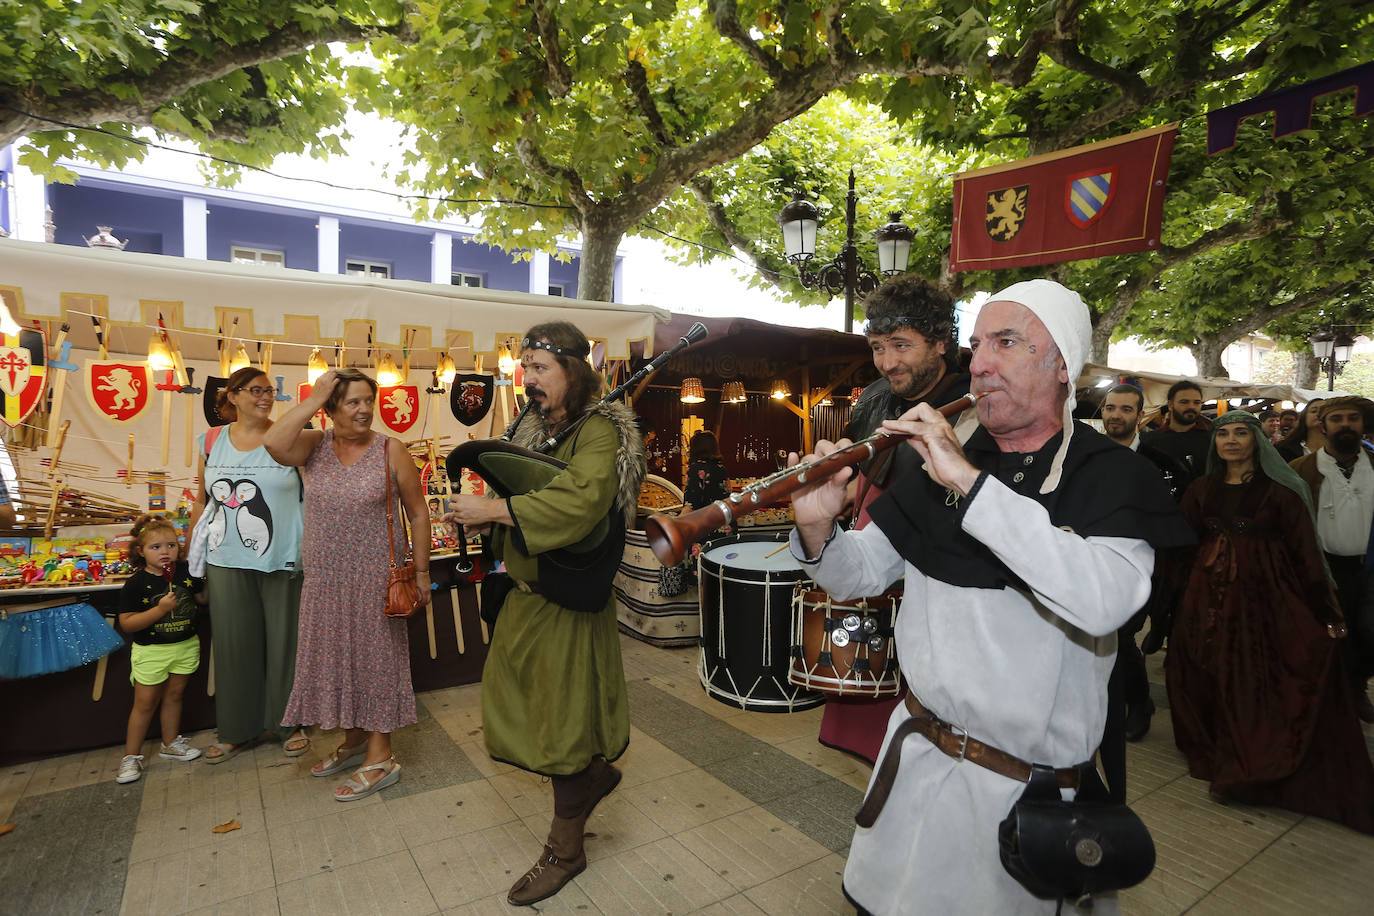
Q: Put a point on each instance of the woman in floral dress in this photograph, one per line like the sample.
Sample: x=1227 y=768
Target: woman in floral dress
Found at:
x=352 y=663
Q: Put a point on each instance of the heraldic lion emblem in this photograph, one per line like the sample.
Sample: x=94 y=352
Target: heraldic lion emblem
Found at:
x=401 y=404
x=124 y=386
x=1006 y=212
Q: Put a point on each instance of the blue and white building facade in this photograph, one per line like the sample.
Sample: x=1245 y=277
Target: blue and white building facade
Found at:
x=181 y=219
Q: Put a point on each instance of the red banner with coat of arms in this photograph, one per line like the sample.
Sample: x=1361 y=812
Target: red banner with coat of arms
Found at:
x=1086 y=202
x=399 y=406
x=119 y=390
x=23 y=374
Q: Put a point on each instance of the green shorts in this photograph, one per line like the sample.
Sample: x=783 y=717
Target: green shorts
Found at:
x=150 y=665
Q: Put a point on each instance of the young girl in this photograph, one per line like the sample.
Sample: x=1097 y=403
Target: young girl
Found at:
x=157 y=611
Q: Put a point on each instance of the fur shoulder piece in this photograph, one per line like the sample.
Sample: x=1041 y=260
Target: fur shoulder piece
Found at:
x=631 y=466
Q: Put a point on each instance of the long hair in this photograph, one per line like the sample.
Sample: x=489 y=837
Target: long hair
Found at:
x=1293 y=442
x=584 y=385
x=144 y=526
x=241 y=378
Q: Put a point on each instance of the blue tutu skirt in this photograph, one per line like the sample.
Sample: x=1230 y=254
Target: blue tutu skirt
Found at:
x=53 y=639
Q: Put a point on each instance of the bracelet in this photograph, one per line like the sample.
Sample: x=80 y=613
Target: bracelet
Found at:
x=419 y=570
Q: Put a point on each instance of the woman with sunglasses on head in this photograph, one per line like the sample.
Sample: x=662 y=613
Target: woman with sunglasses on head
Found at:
x=252 y=567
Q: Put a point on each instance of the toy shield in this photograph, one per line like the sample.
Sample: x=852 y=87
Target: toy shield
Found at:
x=470 y=397
x=23 y=374
x=398 y=406
x=120 y=391
x=213 y=386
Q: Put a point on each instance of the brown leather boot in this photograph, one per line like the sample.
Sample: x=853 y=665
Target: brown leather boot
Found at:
x=561 y=861
x=602 y=778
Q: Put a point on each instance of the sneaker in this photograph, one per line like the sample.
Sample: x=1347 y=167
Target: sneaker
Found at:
x=180 y=749
x=130 y=769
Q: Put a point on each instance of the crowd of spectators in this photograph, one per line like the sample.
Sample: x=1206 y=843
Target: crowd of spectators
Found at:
x=1268 y=621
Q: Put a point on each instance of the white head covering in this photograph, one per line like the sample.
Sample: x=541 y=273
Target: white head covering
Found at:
x=1064 y=314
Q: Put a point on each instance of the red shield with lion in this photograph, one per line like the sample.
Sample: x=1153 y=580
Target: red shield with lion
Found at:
x=118 y=390
x=399 y=407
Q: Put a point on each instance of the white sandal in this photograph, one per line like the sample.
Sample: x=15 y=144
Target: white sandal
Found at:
x=357 y=783
x=342 y=758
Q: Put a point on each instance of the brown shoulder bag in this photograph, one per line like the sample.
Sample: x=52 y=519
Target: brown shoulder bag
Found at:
x=402 y=593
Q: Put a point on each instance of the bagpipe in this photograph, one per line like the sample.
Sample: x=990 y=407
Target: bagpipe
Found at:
x=512 y=470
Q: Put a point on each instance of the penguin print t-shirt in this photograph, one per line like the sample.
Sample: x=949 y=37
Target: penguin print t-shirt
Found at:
x=257 y=520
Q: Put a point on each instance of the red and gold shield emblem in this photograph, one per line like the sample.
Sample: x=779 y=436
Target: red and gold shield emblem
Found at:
x=399 y=407
x=23 y=374
x=120 y=391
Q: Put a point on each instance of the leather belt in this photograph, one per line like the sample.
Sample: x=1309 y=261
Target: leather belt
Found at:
x=952 y=741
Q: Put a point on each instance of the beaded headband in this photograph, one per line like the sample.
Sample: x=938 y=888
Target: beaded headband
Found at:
x=528 y=344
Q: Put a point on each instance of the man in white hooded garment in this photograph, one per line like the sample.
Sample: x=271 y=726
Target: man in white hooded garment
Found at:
x=1025 y=548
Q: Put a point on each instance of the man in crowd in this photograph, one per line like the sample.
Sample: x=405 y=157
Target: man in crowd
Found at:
x=1024 y=549
x=1269 y=422
x=913 y=333
x=1121 y=410
x=1288 y=421
x=1185 y=433
x=1129 y=706
x=1341 y=478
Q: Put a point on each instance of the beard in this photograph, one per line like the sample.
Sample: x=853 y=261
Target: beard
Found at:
x=1187 y=418
x=1117 y=428
x=920 y=379
x=1346 y=440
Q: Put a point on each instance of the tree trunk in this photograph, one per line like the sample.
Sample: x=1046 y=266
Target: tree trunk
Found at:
x=1102 y=342
x=1306 y=371
x=596 y=275
x=1207 y=354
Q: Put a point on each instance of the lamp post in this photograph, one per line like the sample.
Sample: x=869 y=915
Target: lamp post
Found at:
x=846 y=273
x=1333 y=352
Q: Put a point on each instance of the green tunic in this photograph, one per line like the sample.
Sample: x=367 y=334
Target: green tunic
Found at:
x=553 y=690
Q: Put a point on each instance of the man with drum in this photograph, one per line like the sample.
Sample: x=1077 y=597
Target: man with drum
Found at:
x=913 y=333
x=1024 y=549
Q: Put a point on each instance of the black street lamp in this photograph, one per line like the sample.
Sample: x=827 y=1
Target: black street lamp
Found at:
x=1333 y=351
x=846 y=273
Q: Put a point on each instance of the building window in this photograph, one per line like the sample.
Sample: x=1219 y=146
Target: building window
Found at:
x=240 y=255
x=556 y=289
x=369 y=269
x=461 y=279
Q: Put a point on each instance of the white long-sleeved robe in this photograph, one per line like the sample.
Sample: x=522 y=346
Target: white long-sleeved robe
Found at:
x=1023 y=671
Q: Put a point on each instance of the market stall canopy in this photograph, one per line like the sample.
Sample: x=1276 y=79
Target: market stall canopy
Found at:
x=757 y=353
x=294 y=309
x=1156 y=386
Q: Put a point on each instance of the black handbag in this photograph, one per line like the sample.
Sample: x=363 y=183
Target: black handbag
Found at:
x=1071 y=850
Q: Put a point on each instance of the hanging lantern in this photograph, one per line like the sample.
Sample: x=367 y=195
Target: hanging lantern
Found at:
x=824 y=402
x=315 y=366
x=446 y=370
x=692 y=391
x=855 y=393
x=159 y=355
x=240 y=360
x=387 y=373
x=505 y=360
x=733 y=393
x=780 y=390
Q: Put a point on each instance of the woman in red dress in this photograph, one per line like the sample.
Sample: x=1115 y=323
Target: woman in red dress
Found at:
x=1259 y=700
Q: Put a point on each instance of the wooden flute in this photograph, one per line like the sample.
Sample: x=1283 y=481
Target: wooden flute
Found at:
x=670 y=536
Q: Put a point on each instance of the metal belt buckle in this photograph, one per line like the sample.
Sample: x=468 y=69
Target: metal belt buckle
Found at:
x=963 y=740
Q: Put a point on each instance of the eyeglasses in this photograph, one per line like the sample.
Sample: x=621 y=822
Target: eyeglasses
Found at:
x=258 y=391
